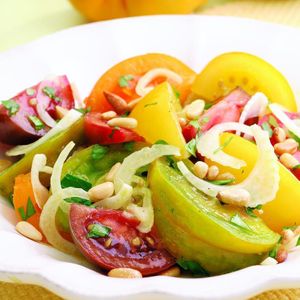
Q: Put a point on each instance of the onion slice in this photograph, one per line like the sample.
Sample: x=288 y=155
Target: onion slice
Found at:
x=41 y=193
x=44 y=116
x=142 y=87
x=284 y=119
x=71 y=117
x=263 y=181
x=209 y=144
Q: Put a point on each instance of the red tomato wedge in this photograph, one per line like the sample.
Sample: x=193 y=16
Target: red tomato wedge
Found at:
x=119 y=252
x=98 y=132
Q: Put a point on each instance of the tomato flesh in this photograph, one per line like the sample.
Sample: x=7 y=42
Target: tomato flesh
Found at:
x=148 y=257
x=98 y=132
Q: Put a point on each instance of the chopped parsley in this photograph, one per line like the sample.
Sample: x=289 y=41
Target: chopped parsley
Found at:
x=98 y=152
x=296 y=167
x=30 y=92
x=176 y=92
x=124 y=80
x=266 y=127
x=129 y=146
x=126 y=114
x=30 y=210
x=224 y=145
x=98 y=230
x=205 y=120
x=208 y=105
x=84 y=110
x=114 y=130
x=191 y=147
x=161 y=142
x=74 y=181
x=192 y=266
x=274 y=251
x=50 y=92
x=150 y=104
x=238 y=221
x=273 y=122
x=12 y=106
x=250 y=210
x=36 y=122
x=79 y=200
x=293 y=227
x=195 y=124
x=222 y=182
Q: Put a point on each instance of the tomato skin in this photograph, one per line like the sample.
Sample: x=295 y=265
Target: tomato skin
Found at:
x=189 y=132
x=120 y=254
x=98 y=132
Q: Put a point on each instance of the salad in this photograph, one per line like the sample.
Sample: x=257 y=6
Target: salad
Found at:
x=159 y=171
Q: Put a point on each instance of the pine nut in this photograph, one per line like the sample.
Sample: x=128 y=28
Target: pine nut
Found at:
x=195 y=109
x=136 y=242
x=111 y=174
x=32 y=102
x=287 y=236
x=288 y=146
x=182 y=122
x=173 y=272
x=213 y=172
x=150 y=241
x=282 y=254
x=61 y=111
x=4 y=164
x=200 y=169
x=124 y=273
x=239 y=197
x=109 y=115
x=292 y=243
x=133 y=103
x=117 y=102
x=269 y=261
x=29 y=231
x=129 y=123
x=225 y=176
x=288 y=160
x=279 y=134
x=101 y=191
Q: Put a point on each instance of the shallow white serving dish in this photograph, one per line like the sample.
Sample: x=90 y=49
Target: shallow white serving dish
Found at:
x=84 y=53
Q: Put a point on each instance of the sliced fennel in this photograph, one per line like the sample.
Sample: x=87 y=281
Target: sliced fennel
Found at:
x=263 y=181
x=71 y=117
x=41 y=193
x=284 y=119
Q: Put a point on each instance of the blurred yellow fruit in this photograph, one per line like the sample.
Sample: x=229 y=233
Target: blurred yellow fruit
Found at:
x=109 y=9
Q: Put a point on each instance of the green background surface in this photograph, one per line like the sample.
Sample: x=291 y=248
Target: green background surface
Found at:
x=24 y=20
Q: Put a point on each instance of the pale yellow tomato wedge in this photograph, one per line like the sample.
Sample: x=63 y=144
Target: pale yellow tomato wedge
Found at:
x=157 y=118
x=284 y=209
x=251 y=73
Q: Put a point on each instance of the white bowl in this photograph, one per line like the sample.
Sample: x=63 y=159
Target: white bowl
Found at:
x=84 y=53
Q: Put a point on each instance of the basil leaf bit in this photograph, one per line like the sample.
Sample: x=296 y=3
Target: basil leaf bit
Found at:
x=250 y=210
x=161 y=142
x=222 y=182
x=274 y=251
x=129 y=146
x=74 y=181
x=224 y=145
x=195 y=124
x=50 y=92
x=238 y=221
x=36 y=122
x=30 y=210
x=124 y=80
x=84 y=110
x=192 y=266
x=98 y=230
x=98 y=152
x=176 y=92
x=11 y=105
x=191 y=147
x=208 y=105
x=296 y=167
x=266 y=127
x=79 y=200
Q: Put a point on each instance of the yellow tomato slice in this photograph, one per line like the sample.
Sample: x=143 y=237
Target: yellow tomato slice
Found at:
x=251 y=73
x=284 y=209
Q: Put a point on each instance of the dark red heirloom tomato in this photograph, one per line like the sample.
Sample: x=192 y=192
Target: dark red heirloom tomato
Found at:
x=120 y=248
x=98 y=132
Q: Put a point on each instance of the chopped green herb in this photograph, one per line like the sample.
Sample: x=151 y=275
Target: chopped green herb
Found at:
x=126 y=114
x=161 y=142
x=129 y=146
x=273 y=252
x=208 y=105
x=266 y=127
x=192 y=266
x=50 y=92
x=195 y=124
x=79 y=201
x=296 y=167
x=36 y=122
x=224 y=145
x=98 y=230
x=294 y=136
x=150 y=104
x=115 y=129
x=249 y=210
x=74 y=181
x=124 y=80
x=177 y=93
x=172 y=162
x=30 y=210
x=30 y=92
x=191 y=147
x=298 y=242
x=205 y=120
x=273 y=122
x=293 y=227
x=222 y=182
x=98 y=152
x=84 y=110
x=238 y=221
x=11 y=105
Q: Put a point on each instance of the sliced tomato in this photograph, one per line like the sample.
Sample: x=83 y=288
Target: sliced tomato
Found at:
x=117 y=250
x=98 y=132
